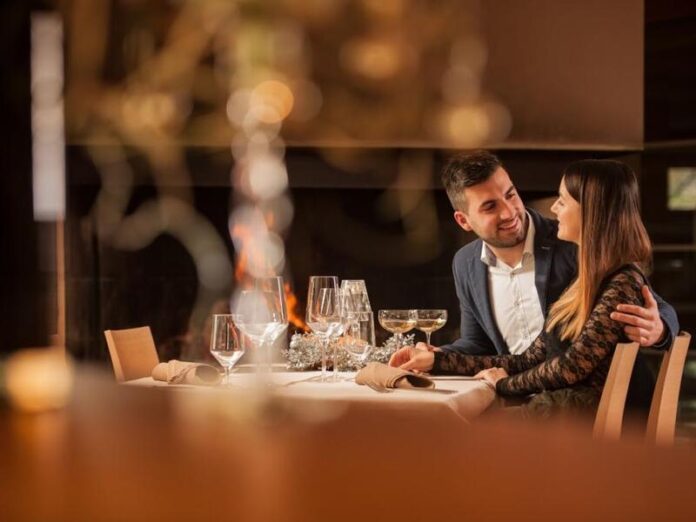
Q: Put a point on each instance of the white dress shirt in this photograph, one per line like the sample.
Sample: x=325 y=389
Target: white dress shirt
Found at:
x=514 y=298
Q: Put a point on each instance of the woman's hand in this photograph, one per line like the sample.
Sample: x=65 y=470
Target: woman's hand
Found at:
x=408 y=358
x=491 y=375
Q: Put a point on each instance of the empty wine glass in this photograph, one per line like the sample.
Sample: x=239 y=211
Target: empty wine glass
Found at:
x=358 y=321
x=397 y=322
x=358 y=335
x=354 y=295
x=324 y=314
x=225 y=344
x=429 y=321
x=261 y=314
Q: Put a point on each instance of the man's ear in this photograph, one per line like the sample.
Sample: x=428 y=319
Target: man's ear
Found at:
x=462 y=220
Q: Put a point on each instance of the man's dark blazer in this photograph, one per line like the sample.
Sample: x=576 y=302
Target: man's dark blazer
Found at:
x=555 y=267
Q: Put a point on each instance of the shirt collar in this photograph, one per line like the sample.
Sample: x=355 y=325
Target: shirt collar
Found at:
x=488 y=257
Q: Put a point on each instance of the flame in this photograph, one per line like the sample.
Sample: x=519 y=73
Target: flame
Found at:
x=243 y=233
x=293 y=317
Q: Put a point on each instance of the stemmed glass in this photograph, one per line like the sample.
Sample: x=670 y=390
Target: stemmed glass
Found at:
x=429 y=321
x=358 y=321
x=261 y=314
x=225 y=344
x=354 y=299
x=397 y=322
x=356 y=336
x=324 y=314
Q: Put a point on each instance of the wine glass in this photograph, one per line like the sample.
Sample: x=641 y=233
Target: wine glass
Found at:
x=358 y=334
x=358 y=321
x=225 y=344
x=397 y=322
x=429 y=321
x=261 y=314
x=324 y=314
x=354 y=295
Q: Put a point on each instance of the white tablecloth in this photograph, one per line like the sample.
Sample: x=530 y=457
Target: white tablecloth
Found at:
x=464 y=397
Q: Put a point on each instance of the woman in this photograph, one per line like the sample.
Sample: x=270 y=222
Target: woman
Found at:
x=567 y=365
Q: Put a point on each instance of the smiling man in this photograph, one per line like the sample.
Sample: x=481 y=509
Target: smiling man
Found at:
x=508 y=278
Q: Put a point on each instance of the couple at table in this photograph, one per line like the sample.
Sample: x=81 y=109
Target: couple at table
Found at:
x=544 y=302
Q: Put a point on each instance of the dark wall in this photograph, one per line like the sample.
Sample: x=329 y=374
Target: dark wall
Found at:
x=347 y=224
x=23 y=319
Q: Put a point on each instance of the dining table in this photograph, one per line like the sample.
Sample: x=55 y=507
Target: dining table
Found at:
x=457 y=397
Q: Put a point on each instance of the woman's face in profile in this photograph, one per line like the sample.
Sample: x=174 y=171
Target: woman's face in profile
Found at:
x=569 y=216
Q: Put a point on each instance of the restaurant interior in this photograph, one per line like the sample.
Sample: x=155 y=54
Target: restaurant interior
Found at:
x=161 y=156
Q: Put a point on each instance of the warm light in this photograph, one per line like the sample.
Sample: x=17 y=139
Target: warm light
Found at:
x=153 y=110
x=390 y=10
x=294 y=317
x=473 y=125
x=372 y=58
x=39 y=379
x=260 y=252
x=466 y=125
x=271 y=101
x=267 y=176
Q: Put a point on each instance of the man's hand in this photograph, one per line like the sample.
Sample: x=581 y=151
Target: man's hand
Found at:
x=491 y=375
x=643 y=325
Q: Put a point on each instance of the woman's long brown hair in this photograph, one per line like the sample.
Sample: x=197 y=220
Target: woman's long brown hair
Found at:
x=612 y=235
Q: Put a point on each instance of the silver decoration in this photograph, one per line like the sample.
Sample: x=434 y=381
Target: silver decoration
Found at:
x=304 y=353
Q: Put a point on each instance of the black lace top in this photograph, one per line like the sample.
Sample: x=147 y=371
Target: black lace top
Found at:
x=550 y=364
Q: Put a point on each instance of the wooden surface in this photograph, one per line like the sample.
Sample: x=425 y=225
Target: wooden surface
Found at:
x=610 y=412
x=124 y=453
x=133 y=352
x=663 y=410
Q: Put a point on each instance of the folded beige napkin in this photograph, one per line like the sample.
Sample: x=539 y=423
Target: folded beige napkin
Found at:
x=383 y=376
x=180 y=372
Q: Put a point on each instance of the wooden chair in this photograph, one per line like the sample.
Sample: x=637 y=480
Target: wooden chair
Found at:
x=609 y=419
x=663 y=409
x=133 y=352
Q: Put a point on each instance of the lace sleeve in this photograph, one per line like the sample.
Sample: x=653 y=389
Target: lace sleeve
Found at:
x=463 y=364
x=596 y=341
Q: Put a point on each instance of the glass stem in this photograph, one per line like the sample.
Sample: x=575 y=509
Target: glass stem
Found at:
x=324 y=349
x=227 y=376
x=398 y=340
x=427 y=338
x=269 y=359
x=335 y=362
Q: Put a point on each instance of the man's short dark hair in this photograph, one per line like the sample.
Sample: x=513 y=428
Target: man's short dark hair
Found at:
x=465 y=170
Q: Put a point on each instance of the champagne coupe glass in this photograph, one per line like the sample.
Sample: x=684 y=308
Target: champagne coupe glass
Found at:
x=429 y=321
x=397 y=322
x=324 y=314
x=225 y=344
x=261 y=314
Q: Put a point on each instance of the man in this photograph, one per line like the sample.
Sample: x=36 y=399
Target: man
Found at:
x=507 y=280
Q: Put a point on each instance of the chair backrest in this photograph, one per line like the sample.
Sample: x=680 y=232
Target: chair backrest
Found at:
x=663 y=409
x=609 y=419
x=133 y=352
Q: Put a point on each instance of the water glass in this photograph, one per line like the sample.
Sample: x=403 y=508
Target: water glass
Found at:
x=225 y=344
x=324 y=314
